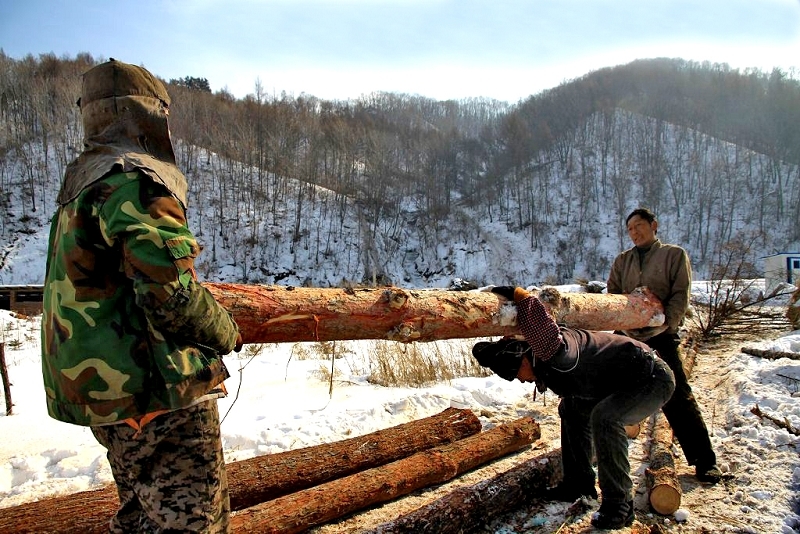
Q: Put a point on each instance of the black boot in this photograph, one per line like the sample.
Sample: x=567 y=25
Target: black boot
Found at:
x=708 y=473
x=613 y=515
x=569 y=493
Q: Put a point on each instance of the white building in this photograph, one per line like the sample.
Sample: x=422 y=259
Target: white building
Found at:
x=779 y=268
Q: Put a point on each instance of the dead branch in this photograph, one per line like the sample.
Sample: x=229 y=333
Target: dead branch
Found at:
x=771 y=354
x=785 y=424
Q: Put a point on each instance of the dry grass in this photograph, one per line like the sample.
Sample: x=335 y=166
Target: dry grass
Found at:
x=391 y=363
x=420 y=365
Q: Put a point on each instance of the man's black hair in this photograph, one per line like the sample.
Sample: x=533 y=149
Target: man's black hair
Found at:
x=644 y=213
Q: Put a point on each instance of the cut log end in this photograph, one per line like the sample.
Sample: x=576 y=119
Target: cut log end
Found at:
x=665 y=499
x=632 y=431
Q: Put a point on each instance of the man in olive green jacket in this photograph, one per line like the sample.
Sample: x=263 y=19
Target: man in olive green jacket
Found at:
x=666 y=271
x=132 y=344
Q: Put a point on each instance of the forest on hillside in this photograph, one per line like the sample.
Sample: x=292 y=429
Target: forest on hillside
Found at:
x=714 y=151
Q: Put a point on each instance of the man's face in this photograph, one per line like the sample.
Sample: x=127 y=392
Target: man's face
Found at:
x=525 y=373
x=641 y=232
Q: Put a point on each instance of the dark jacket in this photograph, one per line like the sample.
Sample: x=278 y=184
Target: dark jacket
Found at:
x=580 y=363
x=593 y=365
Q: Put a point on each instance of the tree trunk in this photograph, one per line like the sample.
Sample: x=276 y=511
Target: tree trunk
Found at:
x=470 y=508
x=301 y=510
x=268 y=314
x=257 y=479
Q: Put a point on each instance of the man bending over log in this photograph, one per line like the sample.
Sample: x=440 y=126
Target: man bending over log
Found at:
x=605 y=381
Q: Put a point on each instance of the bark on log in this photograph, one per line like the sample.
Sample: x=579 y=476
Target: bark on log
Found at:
x=770 y=354
x=268 y=314
x=257 y=479
x=470 y=508
x=301 y=510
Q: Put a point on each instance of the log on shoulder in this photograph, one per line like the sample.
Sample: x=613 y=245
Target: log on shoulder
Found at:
x=285 y=314
x=257 y=479
x=314 y=506
x=470 y=508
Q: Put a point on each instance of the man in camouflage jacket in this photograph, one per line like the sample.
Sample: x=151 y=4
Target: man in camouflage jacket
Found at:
x=132 y=344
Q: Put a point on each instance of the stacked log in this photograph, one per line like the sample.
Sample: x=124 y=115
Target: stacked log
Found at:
x=257 y=479
x=298 y=511
x=470 y=508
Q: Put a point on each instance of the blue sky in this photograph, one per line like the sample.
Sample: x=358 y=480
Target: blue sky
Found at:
x=442 y=49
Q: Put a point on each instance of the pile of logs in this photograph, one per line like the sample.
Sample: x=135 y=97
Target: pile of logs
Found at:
x=294 y=490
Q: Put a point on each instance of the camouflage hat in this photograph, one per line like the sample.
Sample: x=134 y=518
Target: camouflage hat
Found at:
x=117 y=79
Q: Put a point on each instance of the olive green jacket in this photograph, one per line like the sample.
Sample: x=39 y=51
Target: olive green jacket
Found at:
x=126 y=329
x=666 y=271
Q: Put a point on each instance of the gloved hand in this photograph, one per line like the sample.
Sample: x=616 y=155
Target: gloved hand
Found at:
x=643 y=334
x=239 y=343
x=506 y=292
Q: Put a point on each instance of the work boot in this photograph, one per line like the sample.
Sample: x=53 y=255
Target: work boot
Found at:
x=569 y=493
x=707 y=473
x=613 y=515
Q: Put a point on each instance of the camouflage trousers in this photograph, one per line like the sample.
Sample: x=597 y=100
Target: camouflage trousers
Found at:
x=171 y=477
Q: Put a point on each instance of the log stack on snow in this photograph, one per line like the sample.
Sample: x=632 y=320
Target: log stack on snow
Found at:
x=291 y=491
x=298 y=511
x=258 y=479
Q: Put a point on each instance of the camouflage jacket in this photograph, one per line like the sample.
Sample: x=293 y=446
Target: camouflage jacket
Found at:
x=126 y=329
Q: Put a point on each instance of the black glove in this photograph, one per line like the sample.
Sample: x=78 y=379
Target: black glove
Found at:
x=643 y=334
x=239 y=344
x=505 y=292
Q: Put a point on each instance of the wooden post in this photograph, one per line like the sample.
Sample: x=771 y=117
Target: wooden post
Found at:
x=6 y=383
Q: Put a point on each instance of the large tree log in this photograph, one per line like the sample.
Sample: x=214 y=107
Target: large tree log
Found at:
x=257 y=479
x=470 y=508
x=301 y=510
x=282 y=314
